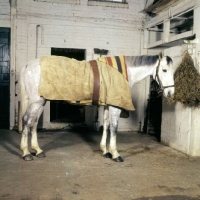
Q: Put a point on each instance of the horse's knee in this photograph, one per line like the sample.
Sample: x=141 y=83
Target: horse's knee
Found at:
x=29 y=119
x=25 y=124
x=26 y=121
x=114 y=126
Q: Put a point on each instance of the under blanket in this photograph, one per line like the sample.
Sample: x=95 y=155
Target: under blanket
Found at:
x=118 y=62
x=71 y=80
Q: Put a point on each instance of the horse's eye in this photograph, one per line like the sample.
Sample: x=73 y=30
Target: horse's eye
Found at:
x=164 y=70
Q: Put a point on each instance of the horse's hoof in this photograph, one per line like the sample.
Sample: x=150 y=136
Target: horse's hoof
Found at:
x=107 y=155
x=41 y=155
x=28 y=157
x=118 y=159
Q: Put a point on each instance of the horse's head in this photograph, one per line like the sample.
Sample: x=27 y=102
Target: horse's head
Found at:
x=164 y=75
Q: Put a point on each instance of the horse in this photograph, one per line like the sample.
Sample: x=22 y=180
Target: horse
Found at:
x=32 y=105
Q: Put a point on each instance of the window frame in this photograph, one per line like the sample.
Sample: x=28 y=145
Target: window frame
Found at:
x=109 y=3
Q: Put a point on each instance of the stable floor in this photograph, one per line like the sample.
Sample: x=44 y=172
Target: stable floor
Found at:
x=74 y=169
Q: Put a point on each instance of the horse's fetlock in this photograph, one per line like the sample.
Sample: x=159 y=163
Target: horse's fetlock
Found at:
x=103 y=148
x=114 y=152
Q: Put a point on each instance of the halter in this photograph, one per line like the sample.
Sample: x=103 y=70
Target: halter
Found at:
x=160 y=85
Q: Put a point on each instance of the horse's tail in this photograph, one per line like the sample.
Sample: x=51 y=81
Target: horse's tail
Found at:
x=24 y=99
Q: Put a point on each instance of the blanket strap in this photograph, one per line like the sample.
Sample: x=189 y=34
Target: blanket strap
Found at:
x=95 y=98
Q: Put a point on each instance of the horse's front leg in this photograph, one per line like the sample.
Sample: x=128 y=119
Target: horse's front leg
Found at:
x=114 y=114
x=106 y=124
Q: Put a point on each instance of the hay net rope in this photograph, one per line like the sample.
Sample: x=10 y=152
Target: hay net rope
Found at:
x=187 y=83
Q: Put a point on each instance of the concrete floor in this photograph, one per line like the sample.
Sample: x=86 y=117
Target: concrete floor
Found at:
x=74 y=169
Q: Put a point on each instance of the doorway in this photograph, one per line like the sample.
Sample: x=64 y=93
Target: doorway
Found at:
x=4 y=78
x=61 y=111
x=153 y=118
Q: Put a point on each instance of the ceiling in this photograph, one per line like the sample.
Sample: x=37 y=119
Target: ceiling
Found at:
x=161 y=5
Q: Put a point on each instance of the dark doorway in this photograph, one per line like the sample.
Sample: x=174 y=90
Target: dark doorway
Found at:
x=153 y=119
x=61 y=111
x=4 y=78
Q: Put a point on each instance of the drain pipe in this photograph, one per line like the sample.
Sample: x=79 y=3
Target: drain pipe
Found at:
x=13 y=35
x=42 y=38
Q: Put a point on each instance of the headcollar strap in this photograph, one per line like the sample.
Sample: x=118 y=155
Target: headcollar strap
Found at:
x=161 y=87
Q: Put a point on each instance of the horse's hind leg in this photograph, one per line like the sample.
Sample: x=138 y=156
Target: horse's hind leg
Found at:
x=24 y=141
x=114 y=114
x=34 y=139
x=30 y=120
x=105 y=133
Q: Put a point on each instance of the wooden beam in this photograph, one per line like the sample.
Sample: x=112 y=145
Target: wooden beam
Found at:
x=146 y=38
x=176 y=10
x=171 y=39
x=166 y=33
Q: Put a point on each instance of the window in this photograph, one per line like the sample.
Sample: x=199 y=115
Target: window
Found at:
x=109 y=3
x=114 y=1
x=75 y=2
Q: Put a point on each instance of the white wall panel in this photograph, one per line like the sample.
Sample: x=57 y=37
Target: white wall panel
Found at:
x=180 y=125
x=76 y=25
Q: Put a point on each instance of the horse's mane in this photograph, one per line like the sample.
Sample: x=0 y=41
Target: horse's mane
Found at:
x=138 y=61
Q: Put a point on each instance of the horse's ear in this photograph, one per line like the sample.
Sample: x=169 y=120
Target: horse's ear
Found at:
x=160 y=55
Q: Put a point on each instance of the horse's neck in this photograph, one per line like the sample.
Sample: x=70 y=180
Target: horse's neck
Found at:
x=136 y=74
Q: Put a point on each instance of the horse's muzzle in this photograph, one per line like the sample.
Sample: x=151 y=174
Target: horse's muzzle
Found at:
x=169 y=92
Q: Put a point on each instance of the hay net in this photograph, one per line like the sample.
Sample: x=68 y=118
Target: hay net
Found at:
x=187 y=83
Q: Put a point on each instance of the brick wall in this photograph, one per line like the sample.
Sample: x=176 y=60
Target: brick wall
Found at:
x=4 y=13
x=79 y=24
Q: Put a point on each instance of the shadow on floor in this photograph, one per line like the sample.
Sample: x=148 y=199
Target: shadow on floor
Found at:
x=170 y=197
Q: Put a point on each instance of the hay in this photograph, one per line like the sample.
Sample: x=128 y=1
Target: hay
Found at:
x=187 y=83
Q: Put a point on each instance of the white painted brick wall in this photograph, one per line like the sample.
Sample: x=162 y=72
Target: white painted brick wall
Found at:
x=69 y=25
x=4 y=13
x=181 y=125
x=5 y=7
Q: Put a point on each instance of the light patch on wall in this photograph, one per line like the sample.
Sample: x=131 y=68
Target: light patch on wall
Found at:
x=75 y=2
x=115 y=3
